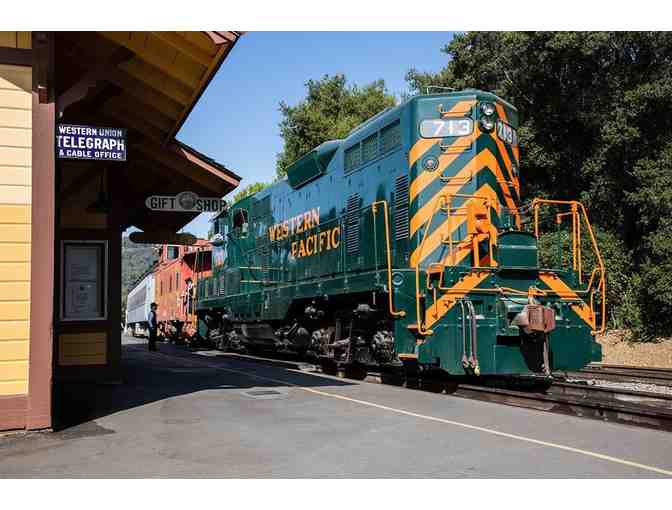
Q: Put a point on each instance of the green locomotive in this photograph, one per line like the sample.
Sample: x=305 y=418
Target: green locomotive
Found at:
x=405 y=243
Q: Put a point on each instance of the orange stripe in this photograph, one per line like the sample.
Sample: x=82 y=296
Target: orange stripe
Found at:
x=422 y=214
x=448 y=227
x=420 y=147
x=502 y=115
x=427 y=177
x=562 y=290
x=485 y=158
x=423 y=144
x=441 y=306
x=507 y=160
x=489 y=159
x=502 y=112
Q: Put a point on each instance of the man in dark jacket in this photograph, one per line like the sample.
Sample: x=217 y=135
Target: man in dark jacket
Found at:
x=153 y=326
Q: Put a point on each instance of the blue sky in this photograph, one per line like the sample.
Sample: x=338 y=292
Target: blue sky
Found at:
x=236 y=120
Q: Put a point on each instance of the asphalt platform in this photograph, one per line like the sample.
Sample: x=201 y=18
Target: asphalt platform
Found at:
x=179 y=413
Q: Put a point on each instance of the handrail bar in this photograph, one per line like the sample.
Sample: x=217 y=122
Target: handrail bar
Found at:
x=374 y=210
x=576 y=250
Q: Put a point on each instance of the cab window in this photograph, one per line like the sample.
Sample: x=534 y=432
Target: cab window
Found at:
x=240 y=222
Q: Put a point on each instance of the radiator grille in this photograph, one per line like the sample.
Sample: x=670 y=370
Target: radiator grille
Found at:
x=352 y=224
x=353 y=158
x=401 y=228
x=370 y=148
x=390 y=137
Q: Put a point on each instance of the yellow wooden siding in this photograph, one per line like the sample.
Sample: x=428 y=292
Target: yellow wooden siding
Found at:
x=14 y=272
x=15 y=218
x=13 y=291
x=82 y=349
x=14 y=214
x=21 y=40
x=14 y=233
x=15 y=176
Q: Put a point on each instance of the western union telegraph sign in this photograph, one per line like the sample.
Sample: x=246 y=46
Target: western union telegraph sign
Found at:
x=88 y=142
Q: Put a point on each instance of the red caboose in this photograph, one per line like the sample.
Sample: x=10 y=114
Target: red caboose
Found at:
x=178 y=271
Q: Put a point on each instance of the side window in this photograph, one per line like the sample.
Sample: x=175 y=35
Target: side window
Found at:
x=240 y=222
x=223 y=226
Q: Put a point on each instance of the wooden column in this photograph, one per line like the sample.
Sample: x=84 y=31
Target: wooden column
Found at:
x=42 y=237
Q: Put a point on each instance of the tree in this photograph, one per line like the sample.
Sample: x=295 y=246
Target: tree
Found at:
x=249 y=190
x=596 y=111
x=330 y=110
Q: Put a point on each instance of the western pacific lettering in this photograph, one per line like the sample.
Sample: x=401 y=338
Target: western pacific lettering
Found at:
x=312 y=244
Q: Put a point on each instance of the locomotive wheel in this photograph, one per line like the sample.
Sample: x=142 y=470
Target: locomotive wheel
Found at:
x=432 y=385
x=391 y=376
x=450 y=386
x=411 y=374
x=356 y=371
x=328 y=366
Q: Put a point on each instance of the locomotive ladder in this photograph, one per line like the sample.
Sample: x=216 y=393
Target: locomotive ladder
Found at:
x=477 y=209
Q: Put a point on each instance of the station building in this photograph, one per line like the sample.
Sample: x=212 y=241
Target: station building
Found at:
x=62 y=218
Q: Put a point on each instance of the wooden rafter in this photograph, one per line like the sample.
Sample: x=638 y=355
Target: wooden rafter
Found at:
x=82 y=88
x=185 y=46
x=160 y=55
x=83 y=49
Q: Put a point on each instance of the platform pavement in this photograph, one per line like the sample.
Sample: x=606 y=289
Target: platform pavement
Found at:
x=181 y=414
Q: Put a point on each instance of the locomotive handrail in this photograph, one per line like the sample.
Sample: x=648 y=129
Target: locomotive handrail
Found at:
x=374 y=210
x=444 y=203
x=576 y=254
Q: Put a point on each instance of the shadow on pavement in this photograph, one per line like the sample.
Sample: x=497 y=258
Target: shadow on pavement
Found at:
x=149 y=377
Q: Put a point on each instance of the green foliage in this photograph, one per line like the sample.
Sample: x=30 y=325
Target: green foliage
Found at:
x=617 y=261
x=330 y=110
x=596 y=112
x=249 y=190
x=136 y=260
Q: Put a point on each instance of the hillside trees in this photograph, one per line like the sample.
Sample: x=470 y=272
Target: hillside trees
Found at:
x=330 y=110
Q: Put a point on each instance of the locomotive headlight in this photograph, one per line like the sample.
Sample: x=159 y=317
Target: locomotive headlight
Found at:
x=487 y=109
x=430 y=163
x=487 y=124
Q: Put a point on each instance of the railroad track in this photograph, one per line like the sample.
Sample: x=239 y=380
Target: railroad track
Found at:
x=623 y=373
x=643 y=409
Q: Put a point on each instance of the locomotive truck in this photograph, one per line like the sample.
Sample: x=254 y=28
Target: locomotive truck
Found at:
x=406 y=244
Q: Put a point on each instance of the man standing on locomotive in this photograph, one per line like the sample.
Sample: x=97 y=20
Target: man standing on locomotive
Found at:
x=153 y=326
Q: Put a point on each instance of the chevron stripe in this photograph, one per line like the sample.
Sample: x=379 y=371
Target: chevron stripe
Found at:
x=484 y=159
x=502 y=148
x=427 y=177
x=449 y=226
x=563 y=291
x=443 y=304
